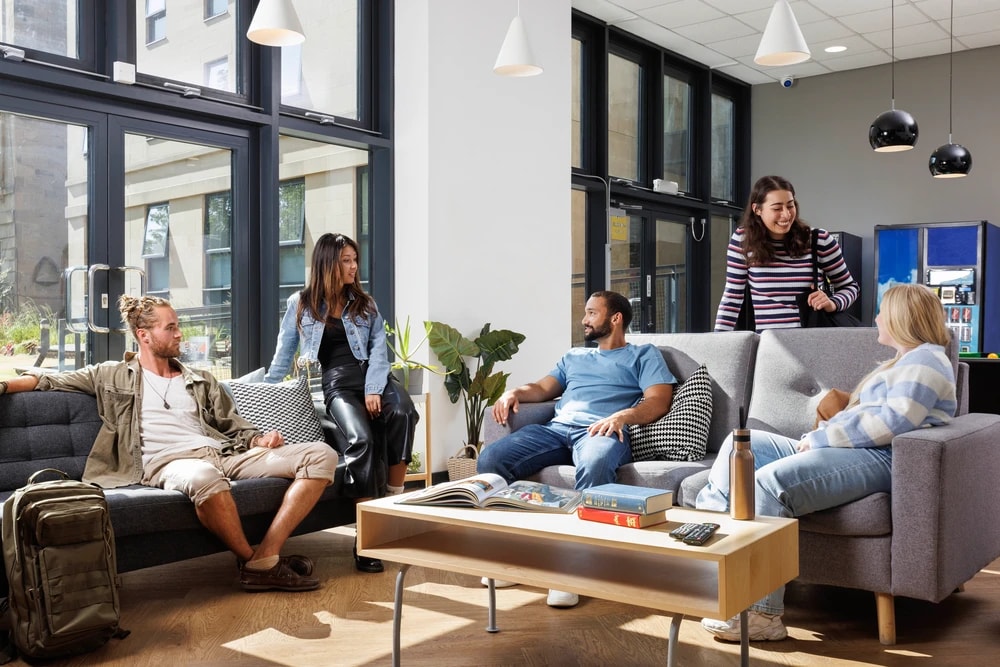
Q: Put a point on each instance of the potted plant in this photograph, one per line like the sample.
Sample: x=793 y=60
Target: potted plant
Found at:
x=469 y=367
x=407 y=370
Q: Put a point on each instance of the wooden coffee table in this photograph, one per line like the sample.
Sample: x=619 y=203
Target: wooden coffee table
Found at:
x=741 y=563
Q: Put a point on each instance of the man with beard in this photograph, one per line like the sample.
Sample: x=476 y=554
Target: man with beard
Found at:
x=598 y=389
x=184 y=434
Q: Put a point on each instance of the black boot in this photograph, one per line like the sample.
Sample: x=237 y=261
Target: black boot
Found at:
x=363 y=564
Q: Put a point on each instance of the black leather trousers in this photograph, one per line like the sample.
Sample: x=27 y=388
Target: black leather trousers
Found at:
x=368 y=446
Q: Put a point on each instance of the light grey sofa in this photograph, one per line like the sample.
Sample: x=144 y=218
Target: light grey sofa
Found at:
x=933 y=533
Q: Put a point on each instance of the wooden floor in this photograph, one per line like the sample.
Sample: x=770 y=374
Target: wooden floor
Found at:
x=193 y=613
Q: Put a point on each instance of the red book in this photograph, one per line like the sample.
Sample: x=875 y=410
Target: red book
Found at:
x=627 y=519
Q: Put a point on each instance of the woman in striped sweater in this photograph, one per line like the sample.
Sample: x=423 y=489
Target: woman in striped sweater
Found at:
x=772 y=249
x=849 y=456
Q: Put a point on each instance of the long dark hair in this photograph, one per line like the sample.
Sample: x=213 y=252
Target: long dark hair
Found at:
x=326 y=287
x=757 y=246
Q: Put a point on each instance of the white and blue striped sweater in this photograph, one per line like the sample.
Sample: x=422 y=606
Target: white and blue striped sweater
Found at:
x=774 y=287
x=918 y=391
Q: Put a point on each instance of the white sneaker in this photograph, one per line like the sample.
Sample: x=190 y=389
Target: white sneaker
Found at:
x=497 y=583
x=562 y=599
x=763 y=627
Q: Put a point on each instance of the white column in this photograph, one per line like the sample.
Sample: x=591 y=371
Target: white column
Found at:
x=482 y=183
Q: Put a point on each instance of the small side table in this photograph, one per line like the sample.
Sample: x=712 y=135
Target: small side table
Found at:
x=425 y=475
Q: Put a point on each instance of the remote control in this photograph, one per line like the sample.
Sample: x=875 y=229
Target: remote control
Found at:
x=700 y=534
x=680 y=531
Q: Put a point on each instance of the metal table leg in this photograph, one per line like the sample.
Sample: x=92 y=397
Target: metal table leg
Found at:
x=744 y=638
x=491 y=620
x=397 y=614
x=675 y=626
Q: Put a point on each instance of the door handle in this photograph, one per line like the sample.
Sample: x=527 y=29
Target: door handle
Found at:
x=92 y=297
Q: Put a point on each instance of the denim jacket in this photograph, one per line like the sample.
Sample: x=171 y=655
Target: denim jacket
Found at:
x=366 y=335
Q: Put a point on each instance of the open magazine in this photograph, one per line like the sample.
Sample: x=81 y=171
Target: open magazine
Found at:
x=489 y=491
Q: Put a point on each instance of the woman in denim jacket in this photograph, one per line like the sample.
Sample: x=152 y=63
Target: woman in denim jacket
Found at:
x=375 y=415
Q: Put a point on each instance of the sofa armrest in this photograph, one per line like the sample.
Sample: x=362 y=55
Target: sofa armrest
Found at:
x=944 y=499
x=527 y=413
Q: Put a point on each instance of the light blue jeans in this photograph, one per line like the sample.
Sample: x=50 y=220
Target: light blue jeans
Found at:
x=535 y=446
x=792 y=483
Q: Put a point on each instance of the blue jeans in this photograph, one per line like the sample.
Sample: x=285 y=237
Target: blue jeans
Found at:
x=535 y=446
x=792 y=483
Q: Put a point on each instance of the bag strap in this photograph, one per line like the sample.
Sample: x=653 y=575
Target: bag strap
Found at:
x=35 y=475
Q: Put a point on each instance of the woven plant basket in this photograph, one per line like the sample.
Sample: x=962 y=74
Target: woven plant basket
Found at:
x=463 y=464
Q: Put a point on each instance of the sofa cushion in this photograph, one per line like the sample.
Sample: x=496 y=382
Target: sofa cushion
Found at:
x=682 y=433
x=729 y=358
x=285 y=406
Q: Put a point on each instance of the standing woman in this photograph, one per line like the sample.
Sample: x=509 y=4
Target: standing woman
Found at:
x=772 y=251
x=849 y=456
x=334 y=323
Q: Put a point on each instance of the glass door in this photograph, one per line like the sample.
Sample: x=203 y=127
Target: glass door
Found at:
x=177 y=230
x=649 y=252
x=46 y=213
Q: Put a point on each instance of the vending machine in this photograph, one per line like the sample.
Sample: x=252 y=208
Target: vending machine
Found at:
x=954 y=259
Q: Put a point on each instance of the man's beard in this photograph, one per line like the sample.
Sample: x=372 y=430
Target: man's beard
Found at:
x=166 y=351
x=596 y=333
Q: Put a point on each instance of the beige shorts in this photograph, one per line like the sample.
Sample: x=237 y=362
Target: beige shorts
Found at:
x=201 y=473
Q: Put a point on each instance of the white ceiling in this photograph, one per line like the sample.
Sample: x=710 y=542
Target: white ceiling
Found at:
x=724 y=34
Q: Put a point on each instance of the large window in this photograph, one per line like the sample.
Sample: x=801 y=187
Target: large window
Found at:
x=624 y=94
x=155 y=249
x=667 y=139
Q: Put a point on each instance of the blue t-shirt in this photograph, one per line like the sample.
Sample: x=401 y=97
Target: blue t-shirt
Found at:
x=597 y=383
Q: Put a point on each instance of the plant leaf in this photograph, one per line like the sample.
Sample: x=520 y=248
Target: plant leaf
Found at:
x=450 y=345
x=499 y=345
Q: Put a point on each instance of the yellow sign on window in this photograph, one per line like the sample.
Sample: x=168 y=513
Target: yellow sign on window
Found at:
x=619 y=227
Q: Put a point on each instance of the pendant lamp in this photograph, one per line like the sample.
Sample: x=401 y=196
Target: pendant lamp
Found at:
x=893 y=130
x=782 y=42
x=951 y=160
x=515 y=58
x=275 y=23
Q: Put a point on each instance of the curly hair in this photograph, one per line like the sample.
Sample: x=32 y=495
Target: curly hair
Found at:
x=139 y=311
x=757 y=246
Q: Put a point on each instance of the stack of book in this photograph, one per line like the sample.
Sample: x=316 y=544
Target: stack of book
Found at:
x=625 y=505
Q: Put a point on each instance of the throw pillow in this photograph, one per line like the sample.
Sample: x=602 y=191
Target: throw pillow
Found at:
x=682 y=433
x=286 y=407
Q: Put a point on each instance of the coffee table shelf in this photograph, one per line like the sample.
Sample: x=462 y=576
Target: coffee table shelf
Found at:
x=742 y=562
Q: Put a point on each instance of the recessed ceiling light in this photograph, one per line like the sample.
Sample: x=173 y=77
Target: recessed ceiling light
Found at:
x=835 y=49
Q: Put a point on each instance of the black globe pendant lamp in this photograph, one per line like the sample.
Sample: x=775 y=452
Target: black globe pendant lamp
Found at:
x=950 y=160
x=893 y=130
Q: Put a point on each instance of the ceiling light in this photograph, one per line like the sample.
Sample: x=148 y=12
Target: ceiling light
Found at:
x=951 y=160
x=835 y=49
x=893 y=130
x=275 y=23
x=782 y=42
x=515 y=57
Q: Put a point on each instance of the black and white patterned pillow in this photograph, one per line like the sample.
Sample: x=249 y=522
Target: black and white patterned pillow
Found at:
x=286 y=407
x=682 y=433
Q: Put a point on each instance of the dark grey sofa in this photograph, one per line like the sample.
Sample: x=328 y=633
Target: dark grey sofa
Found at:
x=933 y=533
x=55 y=429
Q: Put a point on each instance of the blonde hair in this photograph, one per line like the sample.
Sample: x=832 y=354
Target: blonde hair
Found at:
x=139 y=311
x=912 y=315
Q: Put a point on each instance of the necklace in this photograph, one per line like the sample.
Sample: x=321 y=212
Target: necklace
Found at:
x=163 y=396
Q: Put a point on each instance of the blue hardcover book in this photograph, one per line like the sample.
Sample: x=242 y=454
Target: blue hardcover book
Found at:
x=627 y=498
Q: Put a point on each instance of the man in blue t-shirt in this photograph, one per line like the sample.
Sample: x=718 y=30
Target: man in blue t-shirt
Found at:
x=598 y=389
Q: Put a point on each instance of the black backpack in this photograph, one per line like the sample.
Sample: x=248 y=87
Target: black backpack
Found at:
x=59 y=554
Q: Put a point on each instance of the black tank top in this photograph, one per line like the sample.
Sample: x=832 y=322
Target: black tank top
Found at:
x=334 y=349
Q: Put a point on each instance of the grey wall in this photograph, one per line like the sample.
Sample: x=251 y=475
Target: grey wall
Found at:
x=816 y=135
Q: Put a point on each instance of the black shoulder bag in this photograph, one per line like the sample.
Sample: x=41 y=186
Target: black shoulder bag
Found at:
x=810 y=317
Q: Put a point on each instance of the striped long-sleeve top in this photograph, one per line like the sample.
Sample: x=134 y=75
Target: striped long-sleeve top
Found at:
x=773 y=287
x=919 y=390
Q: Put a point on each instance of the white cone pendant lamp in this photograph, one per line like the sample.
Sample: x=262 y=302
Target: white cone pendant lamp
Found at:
x=951 y=160
x=782 y=42
x=275 y=23
x=893 y=130
x=515 y=58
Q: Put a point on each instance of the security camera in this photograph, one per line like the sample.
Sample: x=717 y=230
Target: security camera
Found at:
x=787 y=81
